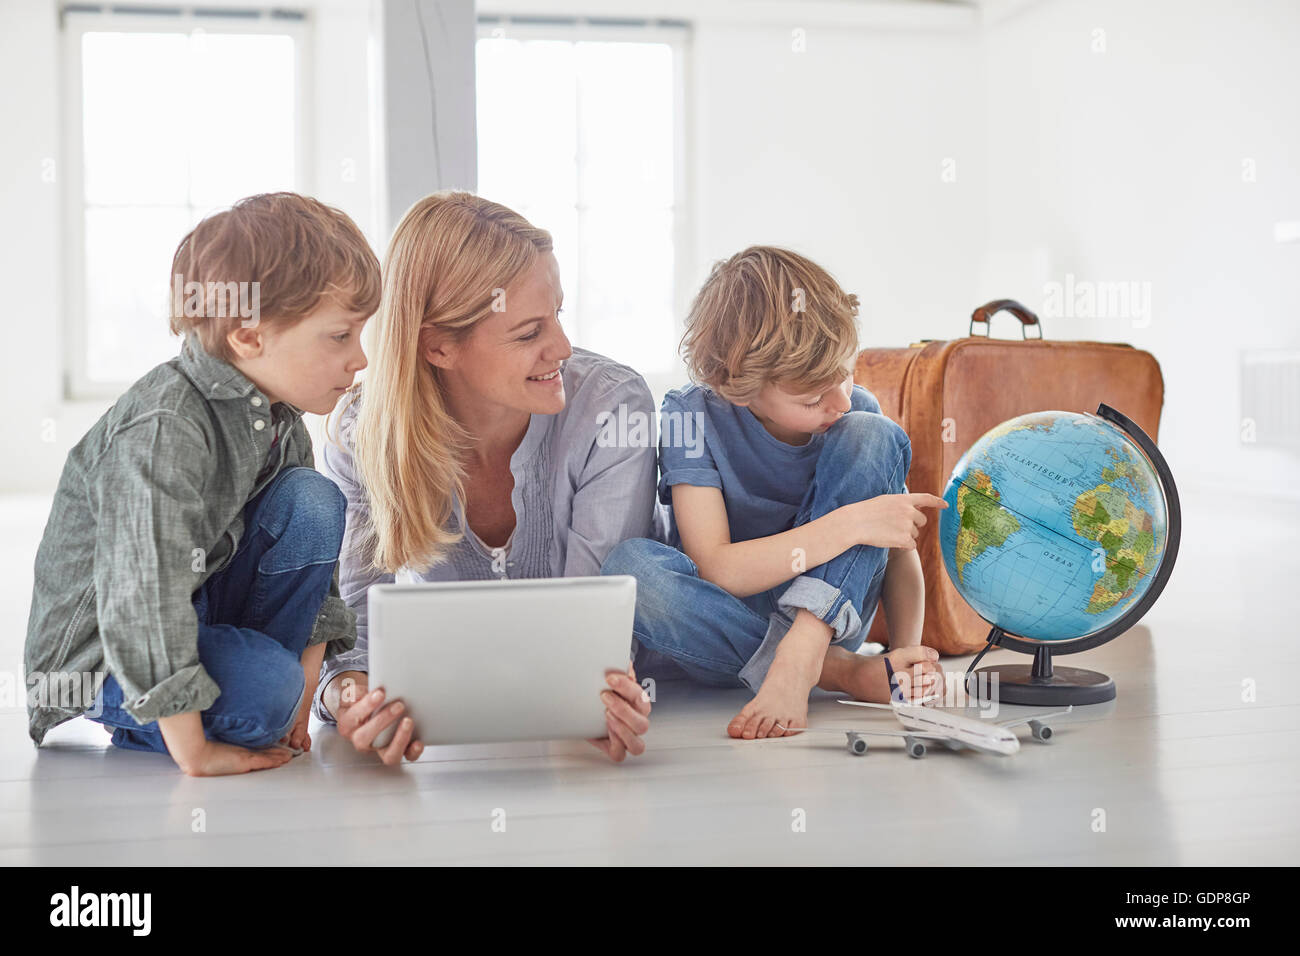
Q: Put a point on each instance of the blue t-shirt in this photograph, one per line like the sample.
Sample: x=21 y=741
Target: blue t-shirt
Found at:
x=705 y=440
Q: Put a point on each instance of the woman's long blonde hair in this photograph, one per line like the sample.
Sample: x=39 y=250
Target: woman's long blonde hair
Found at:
x=449 y=259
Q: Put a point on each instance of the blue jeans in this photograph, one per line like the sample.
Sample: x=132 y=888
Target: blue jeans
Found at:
x=256 y=616
x=686 y=626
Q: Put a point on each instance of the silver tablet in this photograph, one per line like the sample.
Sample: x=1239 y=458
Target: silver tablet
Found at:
x=482 y=661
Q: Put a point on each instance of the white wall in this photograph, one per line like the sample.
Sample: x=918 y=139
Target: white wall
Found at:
x=30 y=249
x=1127 y=164
x=428 y=71
x=837 y=152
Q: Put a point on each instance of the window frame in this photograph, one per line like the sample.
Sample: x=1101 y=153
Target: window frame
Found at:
x=75 y=22
x=677 y=35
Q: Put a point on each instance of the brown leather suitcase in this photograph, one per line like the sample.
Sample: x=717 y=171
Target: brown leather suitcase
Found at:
x=947 y=394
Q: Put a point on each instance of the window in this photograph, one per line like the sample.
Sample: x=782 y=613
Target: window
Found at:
x=170 y=117
x=580 y=130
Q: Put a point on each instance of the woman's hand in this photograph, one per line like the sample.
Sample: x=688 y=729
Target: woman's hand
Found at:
x=362 y=714
x=627 y=716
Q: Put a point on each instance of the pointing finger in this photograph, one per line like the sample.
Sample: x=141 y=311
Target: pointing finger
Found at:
x=922 y=500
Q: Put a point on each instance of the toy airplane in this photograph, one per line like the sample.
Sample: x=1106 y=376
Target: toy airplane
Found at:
x=955 y=731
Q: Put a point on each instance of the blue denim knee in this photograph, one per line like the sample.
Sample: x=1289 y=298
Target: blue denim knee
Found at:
x=860 y=437
x=305 y=512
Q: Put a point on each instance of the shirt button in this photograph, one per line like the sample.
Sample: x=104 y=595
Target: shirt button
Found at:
x=257 y=401
x=259 y=425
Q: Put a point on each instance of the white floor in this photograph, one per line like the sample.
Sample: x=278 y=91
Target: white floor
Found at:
x=1182 y=769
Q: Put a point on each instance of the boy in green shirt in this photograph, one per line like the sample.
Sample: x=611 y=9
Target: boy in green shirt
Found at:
x=186 y=586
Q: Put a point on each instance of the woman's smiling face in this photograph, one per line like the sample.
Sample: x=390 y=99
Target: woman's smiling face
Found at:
x=512 y=358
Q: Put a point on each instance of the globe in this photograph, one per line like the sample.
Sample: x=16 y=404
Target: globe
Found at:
x=1056 y=525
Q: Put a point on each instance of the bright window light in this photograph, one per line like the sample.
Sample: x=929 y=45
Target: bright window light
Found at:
x=174 y=126
x=579 y=136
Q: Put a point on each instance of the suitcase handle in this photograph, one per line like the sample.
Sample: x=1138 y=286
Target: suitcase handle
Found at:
x=990 y=309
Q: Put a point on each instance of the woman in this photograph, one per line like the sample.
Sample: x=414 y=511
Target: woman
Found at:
x=470 y=449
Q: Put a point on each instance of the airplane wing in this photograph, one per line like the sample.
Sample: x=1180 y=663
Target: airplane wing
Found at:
x=866 y=733
x=913 y=703
x=1017 y=721
x=863 y=703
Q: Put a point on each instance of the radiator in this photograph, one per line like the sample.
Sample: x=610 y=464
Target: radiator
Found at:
x=1270 y=397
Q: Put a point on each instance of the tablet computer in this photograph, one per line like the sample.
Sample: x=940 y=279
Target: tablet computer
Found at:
x=496 y=660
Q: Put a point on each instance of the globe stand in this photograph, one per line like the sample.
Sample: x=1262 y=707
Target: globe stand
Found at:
x=1038 y=684
x=1043 y=685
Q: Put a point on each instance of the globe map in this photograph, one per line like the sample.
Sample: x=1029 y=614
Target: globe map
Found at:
x=1055 y=525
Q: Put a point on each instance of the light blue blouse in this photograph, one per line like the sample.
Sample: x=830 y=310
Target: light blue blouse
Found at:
x=583 y=483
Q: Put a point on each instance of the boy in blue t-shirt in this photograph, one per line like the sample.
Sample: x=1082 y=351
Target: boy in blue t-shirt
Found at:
x=789 y=517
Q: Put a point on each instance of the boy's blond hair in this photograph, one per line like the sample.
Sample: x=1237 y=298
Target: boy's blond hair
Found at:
x=769 y=315
x=298 y=250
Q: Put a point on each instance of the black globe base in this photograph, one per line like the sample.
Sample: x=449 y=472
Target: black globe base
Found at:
x=1016 y=684
x=1038 y=684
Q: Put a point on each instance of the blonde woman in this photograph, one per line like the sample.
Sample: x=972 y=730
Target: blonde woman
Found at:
x=470 y=451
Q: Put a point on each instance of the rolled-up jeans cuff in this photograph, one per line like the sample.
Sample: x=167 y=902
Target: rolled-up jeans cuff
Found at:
x=829 y=604
x=755 y=670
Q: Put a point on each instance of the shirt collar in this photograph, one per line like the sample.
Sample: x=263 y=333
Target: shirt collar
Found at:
x=216 y=378
x=212 y=376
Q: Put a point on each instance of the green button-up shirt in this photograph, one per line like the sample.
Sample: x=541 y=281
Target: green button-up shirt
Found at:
x=149 y=506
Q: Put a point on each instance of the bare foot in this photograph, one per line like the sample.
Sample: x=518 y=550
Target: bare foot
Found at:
x=783 y=698
x=865 y=678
